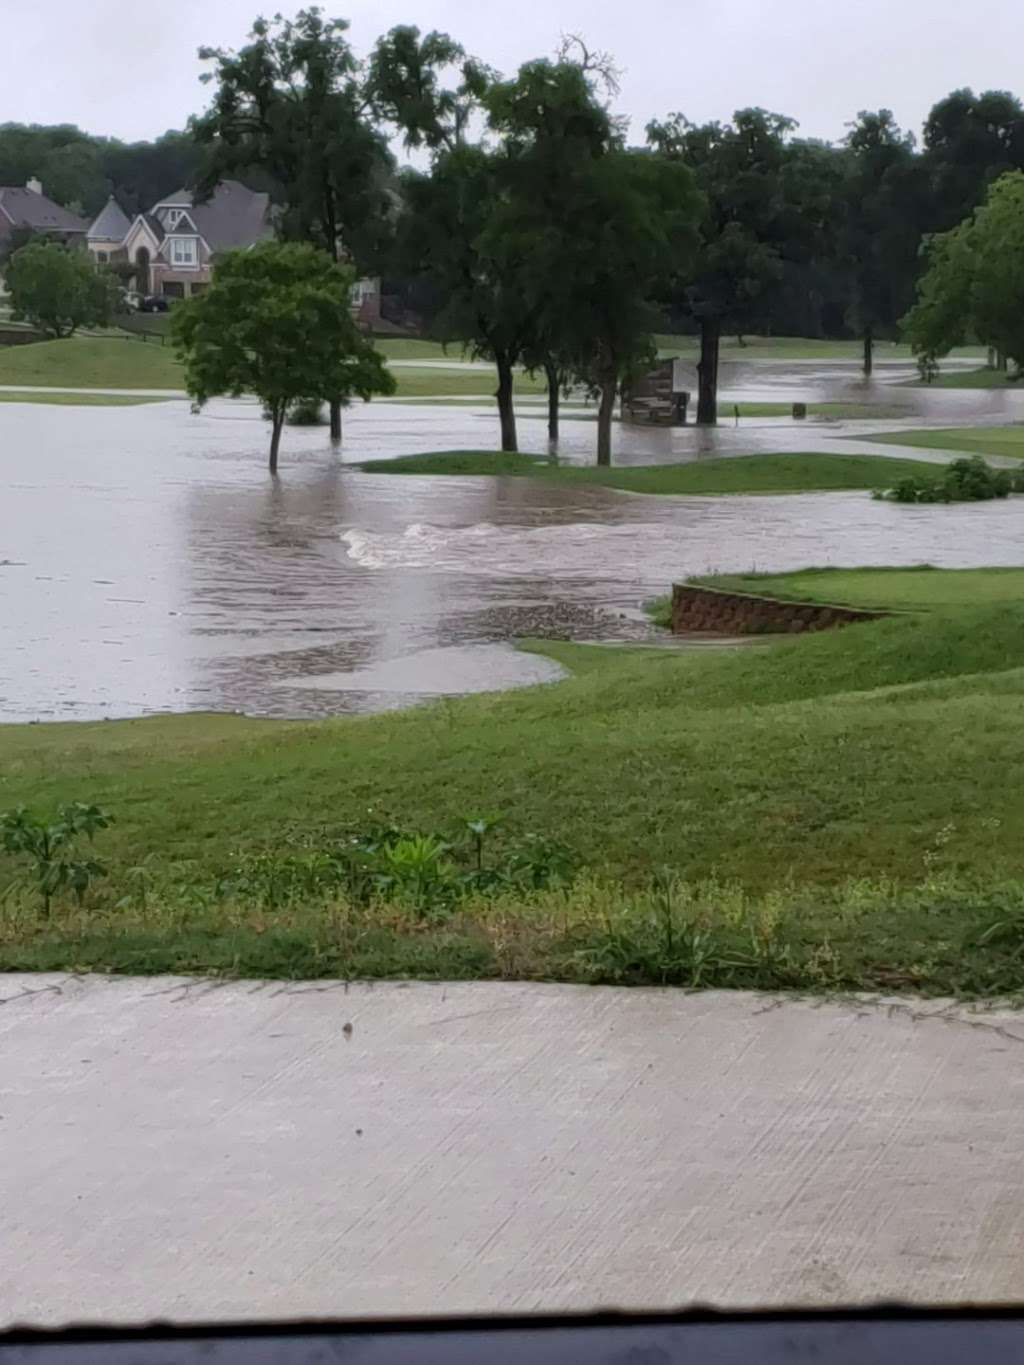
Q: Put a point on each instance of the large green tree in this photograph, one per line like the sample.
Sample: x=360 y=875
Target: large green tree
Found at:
x=631 y=242
x=276 y=321
x=740 y=168
x=58 y=289
x=551 y=122
x=884 y=218
x=445 y=236
x=969 y=142
x=428 y=89
x=973 y=286
x=294 y=102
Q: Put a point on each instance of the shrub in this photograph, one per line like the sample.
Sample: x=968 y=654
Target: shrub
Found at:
x=306 y=412
x=966 y=480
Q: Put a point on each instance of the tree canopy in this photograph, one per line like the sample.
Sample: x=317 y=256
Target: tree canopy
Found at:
x=277 y=322
x=973 y=286
x=58 y=290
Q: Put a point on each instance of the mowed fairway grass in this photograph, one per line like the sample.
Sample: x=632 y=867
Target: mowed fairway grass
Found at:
x=737 y=474
x=912 y=589
x=127 y=363
x=834 y=811
x=92 y=363
x=62 y=399
x=972 y=440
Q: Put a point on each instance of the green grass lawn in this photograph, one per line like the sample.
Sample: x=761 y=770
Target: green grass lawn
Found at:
x=836 y=810
x=80 y=400
x=108 y=363
x=974 y=440
x=974 y=379
x=740 y=474
x=431 y=383
x=87 y=363
x=915 y=589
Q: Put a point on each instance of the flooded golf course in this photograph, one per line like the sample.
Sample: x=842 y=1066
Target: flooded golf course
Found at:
x=148 y=563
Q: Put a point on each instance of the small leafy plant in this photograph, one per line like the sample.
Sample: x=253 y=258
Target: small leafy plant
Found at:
x=49 y=844
x=967 y=480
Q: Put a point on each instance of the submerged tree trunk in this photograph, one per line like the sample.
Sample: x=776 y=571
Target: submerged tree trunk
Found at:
x=869 y=352
x=707 y=372
x=506 y=408
x=275 y=436
x=605 y=409
x=551 y=371
x=335 y=419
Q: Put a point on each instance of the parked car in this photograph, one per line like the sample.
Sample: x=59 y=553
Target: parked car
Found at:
x=154 y=303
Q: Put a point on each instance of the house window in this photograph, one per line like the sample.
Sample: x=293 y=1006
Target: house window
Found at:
x=184 y=251
x=102 y=257
x=174 y=217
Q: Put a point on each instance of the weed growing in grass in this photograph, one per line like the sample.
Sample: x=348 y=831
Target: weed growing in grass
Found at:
x=49 y=844
x=427 y=872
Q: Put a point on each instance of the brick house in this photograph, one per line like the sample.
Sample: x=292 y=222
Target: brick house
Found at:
x=174 y=245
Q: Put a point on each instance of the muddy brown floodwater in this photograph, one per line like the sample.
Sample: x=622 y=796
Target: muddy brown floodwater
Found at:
x=148 y=564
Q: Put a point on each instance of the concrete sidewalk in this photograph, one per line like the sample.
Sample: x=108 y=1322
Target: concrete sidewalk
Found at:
x=197 y=1151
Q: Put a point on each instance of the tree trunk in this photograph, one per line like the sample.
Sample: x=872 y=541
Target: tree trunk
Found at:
x=506 y=408
x=707 y=372
x=869 y=352
x=604 y=421
x=551 y=371
x=275 y=437
x=335 y=419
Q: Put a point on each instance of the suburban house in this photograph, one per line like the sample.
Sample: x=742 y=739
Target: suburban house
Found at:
x=174 y=245
x=27 y=208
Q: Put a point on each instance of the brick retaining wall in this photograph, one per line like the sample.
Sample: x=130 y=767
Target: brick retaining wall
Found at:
x=735 y=613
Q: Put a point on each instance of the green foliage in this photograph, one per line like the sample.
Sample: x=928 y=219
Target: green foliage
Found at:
x=49 y=845
x=628 y=235
x=884 y=215
x=425 y=86
x=428 y=873
x=306 y=412
x=59 y=290
x=970 y=141
x=967 y=480
x=79 y=170
x=276 y=322
x=974 y=284
x=292 y=103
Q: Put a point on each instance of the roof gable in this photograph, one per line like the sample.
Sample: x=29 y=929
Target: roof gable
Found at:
x=25 y=208
x=233 y=216
x=145 y=225
x=111 y=225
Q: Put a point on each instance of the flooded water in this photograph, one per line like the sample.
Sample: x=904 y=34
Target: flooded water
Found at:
x=147 y=563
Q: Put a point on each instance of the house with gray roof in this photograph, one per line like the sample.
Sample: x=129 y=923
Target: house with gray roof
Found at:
x=106 y=235
x=26 y=207
x=173 y=247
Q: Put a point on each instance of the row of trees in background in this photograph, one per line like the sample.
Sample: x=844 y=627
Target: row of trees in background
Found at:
x=80 y=171
x=534 y=234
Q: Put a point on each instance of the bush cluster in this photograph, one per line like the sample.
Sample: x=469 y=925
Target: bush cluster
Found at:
x=966 y=480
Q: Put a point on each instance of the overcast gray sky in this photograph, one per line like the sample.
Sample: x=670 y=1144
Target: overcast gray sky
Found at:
x=130 y=70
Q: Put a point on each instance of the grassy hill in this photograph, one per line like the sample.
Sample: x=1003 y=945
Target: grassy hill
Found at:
x=91 y=363
x=834 y=810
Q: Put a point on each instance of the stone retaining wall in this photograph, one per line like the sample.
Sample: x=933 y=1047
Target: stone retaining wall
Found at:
x=735 y=613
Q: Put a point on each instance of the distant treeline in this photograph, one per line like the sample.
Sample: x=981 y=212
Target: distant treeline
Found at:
x=844 y=222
